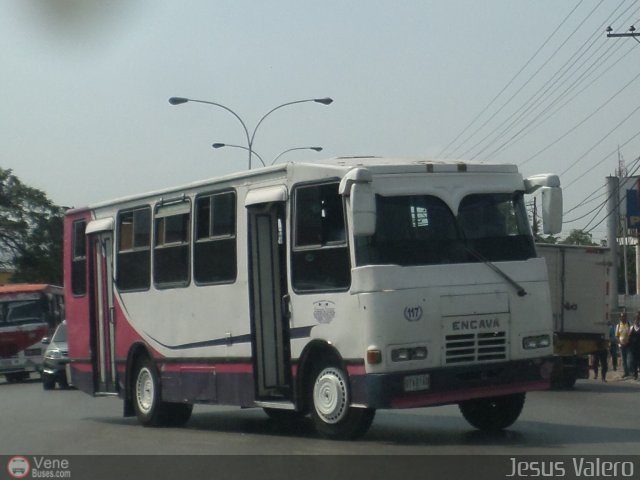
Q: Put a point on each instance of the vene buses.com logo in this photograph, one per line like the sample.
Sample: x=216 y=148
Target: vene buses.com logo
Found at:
x=18 y=467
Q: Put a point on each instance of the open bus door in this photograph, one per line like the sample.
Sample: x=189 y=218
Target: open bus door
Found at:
x=269 y=301
x=102 y=307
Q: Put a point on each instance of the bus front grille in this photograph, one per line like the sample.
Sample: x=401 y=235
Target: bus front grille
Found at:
x=475 y=347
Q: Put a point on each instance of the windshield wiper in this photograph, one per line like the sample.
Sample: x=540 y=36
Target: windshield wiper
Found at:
x=519 y=290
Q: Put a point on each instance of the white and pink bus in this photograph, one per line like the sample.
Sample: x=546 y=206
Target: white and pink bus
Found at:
x=28 y=313
x=331 y=289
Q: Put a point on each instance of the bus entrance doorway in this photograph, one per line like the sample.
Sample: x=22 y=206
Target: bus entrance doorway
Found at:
x=269 y=301
x=103 y=313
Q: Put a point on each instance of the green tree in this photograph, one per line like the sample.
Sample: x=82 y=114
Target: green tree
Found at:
x=548 y=239
x=30 y=232
x=578 y=237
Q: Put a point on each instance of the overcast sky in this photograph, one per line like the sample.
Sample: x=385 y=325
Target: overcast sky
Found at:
x=85 y=85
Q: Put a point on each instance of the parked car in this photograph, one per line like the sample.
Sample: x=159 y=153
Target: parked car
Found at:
x=56 y=358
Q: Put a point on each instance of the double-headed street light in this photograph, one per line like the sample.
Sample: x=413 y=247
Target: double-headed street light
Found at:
x=317 y=149
x=250 y=137
x=221 y=145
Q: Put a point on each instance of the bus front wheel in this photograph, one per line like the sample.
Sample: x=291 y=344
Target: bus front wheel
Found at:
x=493 y=414
x=330 y=411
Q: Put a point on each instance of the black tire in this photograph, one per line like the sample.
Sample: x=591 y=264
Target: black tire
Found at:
x=48 y=382
x=329 y=399
x=62 y=381
x=569 y=380
x=493 y=414
x=177 y=414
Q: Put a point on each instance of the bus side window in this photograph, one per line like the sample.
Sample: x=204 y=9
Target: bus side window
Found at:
x=171 y=248
x=133 y=270
x=320 y=260
x=214 y=253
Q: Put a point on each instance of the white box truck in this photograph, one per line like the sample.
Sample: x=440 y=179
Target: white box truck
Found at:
x=579 y=285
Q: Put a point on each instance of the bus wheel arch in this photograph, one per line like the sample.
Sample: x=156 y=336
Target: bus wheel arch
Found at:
x=136 y=352
x=144 y=387
x=314 y=353
x=326 y=389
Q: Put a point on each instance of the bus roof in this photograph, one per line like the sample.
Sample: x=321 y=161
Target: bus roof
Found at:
x=338 y=166
x=27 y=288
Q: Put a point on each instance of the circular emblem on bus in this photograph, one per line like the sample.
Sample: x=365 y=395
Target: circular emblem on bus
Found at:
x=324 y=311
x=413 y=314
x=18 y=467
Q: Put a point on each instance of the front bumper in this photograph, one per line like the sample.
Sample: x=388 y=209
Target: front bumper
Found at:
x=452 y=384
x=55 y=367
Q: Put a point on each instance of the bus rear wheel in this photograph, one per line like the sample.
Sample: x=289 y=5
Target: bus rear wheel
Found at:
x=147 y=399
x=329 y=398
x=493 y=414
x=177 y=414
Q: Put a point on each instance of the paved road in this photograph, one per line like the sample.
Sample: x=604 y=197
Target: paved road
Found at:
x=593 y=419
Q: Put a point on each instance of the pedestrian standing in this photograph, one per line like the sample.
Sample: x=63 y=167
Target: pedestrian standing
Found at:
x=613 y=345
x=634 y=347
x=599 y=359
x=622 y=336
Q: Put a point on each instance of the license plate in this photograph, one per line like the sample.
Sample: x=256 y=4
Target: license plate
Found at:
x=413 y=383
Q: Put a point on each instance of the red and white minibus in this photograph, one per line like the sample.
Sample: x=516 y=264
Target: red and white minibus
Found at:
x=331 y=289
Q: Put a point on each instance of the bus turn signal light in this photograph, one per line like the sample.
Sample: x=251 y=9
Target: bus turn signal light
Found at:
x=374 y=356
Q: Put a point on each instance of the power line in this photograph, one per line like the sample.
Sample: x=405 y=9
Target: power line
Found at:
x=588 y=117
x=589 y=199
x=464 y=130
x=620 y=200
x=606 y=157
x=532 y=97
x=469 y=137
x=586 y=200
x=606 y=70
x=600 y=141
x=528 y=127
x=536 y=101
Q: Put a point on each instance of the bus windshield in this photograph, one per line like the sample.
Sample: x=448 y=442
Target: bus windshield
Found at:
x=23 y=311
x=422 y=230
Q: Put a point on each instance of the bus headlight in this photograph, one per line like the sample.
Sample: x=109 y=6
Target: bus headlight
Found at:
x=408 y=353
x=538 y=341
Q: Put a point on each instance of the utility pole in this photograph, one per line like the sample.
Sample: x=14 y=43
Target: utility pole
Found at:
x=612 y=222
x=536 y=230
x=622 y=182
x=631 y=33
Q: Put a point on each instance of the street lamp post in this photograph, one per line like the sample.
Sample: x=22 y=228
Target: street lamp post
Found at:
x=221 y=145
x=250 y=137
x=317 y=149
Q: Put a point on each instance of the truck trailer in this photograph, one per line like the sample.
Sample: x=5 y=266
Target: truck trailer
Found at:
x=579 y=284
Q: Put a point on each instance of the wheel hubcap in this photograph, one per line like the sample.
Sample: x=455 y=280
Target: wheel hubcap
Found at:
x=144 y=390
x=330 y=395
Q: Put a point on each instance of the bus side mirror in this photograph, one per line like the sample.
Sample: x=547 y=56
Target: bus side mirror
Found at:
x=551 y=210
x=363 y=209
